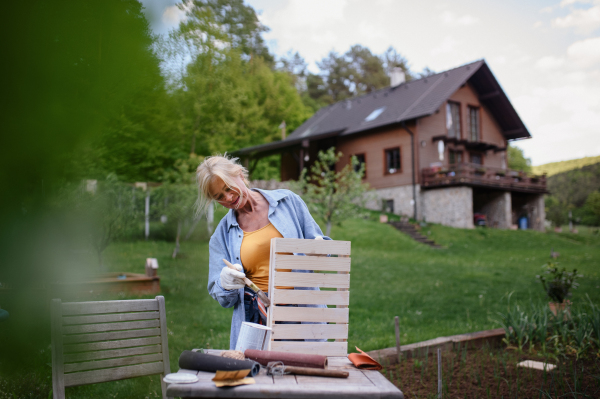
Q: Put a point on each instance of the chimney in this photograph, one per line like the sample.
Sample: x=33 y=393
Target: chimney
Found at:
x=397 y=77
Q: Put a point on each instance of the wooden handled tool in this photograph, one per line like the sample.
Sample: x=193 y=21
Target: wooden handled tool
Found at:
x=263 y=297
x=316 y=372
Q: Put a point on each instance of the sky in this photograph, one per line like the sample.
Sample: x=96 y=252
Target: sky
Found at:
x=545 y=54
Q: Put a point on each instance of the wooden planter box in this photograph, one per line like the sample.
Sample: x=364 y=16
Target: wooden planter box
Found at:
x=132 y=283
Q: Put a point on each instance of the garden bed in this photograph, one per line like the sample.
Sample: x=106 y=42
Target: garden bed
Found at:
x=129 y=283
x=488 y=372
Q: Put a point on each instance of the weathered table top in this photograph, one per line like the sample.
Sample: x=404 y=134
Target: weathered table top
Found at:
x=359 y=384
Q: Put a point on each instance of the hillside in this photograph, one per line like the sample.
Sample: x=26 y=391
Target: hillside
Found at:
x=554 y=168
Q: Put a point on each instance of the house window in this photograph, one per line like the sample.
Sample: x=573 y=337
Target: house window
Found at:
x=361 y=163
x=453 y=119
x=392 y=160
x=455 y=157
x=476 y=158
x=388 y=205
x=373 y=115
x=474 y=124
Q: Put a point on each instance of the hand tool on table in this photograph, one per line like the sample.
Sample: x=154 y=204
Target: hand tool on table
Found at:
x=278 y=368
x=263 y=297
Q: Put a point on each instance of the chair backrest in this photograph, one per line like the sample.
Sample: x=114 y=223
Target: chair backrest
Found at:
x=106 y=341
x=327 y=272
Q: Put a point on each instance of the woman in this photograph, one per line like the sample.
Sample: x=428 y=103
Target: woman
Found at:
x=243 y=236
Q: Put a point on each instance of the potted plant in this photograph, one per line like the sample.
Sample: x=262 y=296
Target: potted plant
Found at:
x=558 y=284
x=501 y=172
x=480 y=171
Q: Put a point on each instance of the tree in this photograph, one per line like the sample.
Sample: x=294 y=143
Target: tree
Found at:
x=178 y=194
x=517 y=160
x=333 y=196
x=593 y=203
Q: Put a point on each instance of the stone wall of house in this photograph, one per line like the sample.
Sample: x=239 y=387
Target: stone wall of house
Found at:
x=451 y=206
x=532 y=206
x=402 y=197
x=496 y=205
x=269 y=184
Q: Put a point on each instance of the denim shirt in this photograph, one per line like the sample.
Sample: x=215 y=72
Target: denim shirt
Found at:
x=288 y=214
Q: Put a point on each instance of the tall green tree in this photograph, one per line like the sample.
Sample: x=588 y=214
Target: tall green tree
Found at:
x=517 y=160
x=330 y=195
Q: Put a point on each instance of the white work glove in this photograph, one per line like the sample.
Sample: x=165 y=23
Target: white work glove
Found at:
x=318 y=238
x=232 y=279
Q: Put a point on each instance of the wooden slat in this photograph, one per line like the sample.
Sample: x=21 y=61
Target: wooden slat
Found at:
x=109 y=318
x=318 y=247
x=120 y=373
x=332 y=315
x=312 y=348
x=309 y=331
x=125 y=343
x=122 y=361
x=98 y=307
x=81 y=357
x=324 y=280
x=129 y=325
x=309 y=297
x=58 y=381
x=164 y=336
x=96 y=337
x=312 y=263
x=342 y=290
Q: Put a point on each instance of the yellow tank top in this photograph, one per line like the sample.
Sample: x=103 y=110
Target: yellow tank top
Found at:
x=255 y=253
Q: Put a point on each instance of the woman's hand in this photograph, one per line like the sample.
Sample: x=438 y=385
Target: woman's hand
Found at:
x=232 y=279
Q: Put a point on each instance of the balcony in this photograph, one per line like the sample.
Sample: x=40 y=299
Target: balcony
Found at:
x=466 y=174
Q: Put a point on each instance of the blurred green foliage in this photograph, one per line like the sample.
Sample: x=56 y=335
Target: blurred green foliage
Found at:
x=554 y=168
x=517 y=160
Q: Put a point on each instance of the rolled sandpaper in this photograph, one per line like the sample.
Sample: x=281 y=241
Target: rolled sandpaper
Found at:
x=287 y=358
x=203 y=362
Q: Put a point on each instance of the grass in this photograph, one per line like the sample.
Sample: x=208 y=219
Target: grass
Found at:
x=434 y=292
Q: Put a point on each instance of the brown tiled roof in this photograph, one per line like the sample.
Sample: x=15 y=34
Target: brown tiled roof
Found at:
x=410 y=100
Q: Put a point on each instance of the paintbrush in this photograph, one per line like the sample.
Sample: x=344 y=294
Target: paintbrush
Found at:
x=263 y=297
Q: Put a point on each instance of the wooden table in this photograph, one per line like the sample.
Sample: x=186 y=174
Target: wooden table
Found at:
x=359 y=384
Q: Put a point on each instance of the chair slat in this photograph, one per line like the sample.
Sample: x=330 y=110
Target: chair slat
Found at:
x=129 y=325
x=109 y=318
x=125 y=343
x=119 y=373
x=99 y=307
x=312 y=263
x=312 y=348
x=312 y=246
x=310 y=331
x=122 y=361
x=333 y=315
x=321 y=280
x=309 y=297
x=96 y=337
x=142 y=350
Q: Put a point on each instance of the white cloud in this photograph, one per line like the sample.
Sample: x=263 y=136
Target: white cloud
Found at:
x=565 y=3
x=172 y=16
x=538 y=24
x=585 y=53
x=550 y=62
x=447 y=45
x=584 y=21
x=451 y=19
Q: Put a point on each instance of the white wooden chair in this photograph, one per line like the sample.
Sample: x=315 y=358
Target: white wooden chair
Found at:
x=107 y=341
x=282 y=260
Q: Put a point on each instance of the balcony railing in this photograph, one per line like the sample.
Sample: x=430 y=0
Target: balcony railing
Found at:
x=483 y=176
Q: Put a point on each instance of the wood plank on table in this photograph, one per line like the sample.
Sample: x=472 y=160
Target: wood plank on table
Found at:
x=332 y=315
x=321 y=280
x=312 y=263
x=309 y=331
x=309 y=297
x=355 y=377
x=312 y=348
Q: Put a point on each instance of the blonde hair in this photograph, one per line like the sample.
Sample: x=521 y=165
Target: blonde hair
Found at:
x=224 y=167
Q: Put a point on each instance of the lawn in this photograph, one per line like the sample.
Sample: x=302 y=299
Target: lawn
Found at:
x=435 y=292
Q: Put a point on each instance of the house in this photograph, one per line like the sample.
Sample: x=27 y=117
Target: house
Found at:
x=433 y=149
